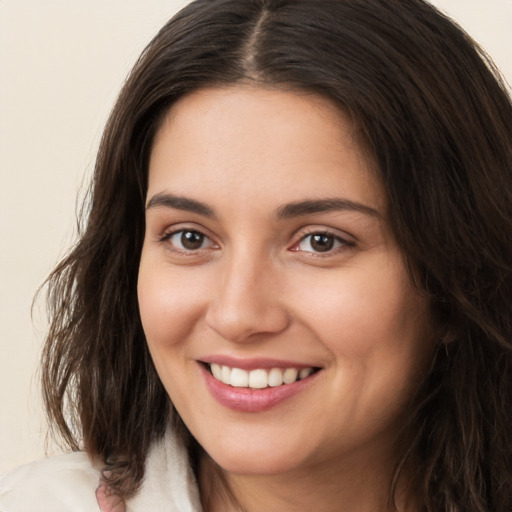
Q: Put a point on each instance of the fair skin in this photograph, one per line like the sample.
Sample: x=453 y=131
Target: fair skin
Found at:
x=267 y=250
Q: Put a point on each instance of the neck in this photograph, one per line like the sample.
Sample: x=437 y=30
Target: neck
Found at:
x=354 y=488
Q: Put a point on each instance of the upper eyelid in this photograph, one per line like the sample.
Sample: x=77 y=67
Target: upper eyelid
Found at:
x=297 y=237
x=302 y=233
x=171 y=232
x=185 y=226
x=342 y=241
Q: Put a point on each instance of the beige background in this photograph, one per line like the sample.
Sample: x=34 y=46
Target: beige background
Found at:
x=62 y=63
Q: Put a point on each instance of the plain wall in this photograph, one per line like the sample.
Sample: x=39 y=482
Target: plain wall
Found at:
x=62 y=63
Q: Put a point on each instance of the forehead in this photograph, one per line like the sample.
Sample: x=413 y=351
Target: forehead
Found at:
x=255 y=140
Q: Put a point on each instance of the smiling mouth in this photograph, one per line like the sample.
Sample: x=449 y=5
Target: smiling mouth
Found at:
x=259 y=378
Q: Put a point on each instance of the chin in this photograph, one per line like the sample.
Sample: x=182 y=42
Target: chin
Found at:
x=255 y=459
x=242 y=466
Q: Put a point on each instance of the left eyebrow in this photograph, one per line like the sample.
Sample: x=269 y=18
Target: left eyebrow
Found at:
x=299 y=208
x=180 y=203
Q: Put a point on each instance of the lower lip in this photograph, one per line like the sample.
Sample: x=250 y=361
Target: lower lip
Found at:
x=253 y=400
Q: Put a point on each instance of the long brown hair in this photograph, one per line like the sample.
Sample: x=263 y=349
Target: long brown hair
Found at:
x=434 y=115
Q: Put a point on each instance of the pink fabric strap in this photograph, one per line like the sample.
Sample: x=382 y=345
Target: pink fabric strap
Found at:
x=107 y=501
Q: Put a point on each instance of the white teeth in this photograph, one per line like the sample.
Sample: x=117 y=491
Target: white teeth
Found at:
x=216 y=370
x=305 y=372
x=259 y=378
x=239 y=378
x=225 y=375
x=290 y=375
x=275 y=377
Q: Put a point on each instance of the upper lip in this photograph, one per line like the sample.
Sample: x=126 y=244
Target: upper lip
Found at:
x=254 y=363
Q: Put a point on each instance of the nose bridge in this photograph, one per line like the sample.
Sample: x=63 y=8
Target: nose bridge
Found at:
x=246 y=301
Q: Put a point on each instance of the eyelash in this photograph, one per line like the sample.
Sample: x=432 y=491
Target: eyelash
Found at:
x=167 y=237
x=338 y=243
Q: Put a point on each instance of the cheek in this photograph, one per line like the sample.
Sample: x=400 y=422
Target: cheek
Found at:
x=170 y=307
x=169 y=304
x=378 y=337
x=369 y=315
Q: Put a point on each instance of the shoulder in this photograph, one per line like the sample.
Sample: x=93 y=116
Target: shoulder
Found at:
x=168 y=479
x=62 y=483
x=69 y=483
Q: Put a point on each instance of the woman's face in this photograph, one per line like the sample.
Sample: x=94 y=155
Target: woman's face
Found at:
x=269 y=262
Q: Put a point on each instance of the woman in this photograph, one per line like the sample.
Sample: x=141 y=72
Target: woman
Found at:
x=293 y=288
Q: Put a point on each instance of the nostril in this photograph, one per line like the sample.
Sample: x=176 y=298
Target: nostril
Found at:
x=242 y=320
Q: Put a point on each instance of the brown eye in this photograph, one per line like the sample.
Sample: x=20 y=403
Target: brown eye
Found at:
x=320 y=243
x=189 y=240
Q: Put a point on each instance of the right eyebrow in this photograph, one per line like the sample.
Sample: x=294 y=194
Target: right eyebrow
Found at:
x=310 y=207
x=180 y=203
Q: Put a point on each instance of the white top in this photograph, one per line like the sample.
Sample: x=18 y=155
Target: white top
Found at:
x=69 y=483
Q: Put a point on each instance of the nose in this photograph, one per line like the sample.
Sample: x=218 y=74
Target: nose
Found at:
x=248 y=301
